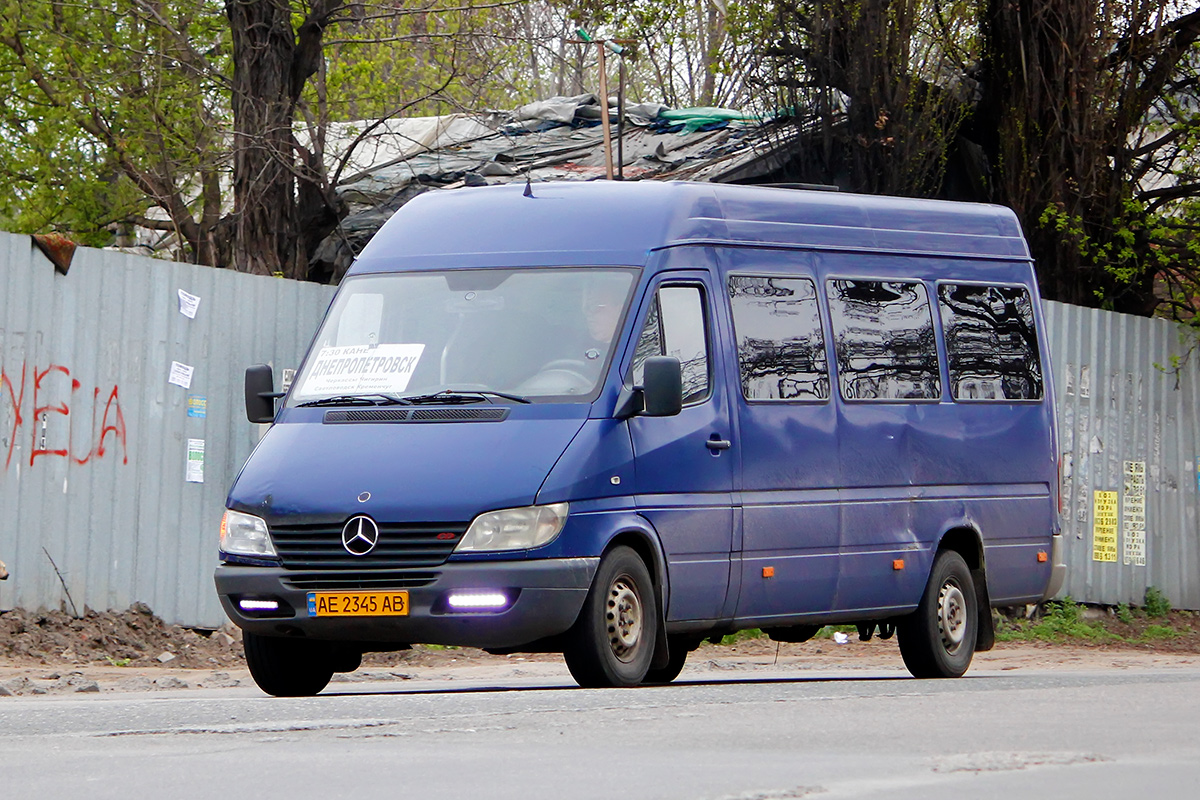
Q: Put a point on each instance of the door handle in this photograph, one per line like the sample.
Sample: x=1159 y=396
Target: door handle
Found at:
x=718 y=444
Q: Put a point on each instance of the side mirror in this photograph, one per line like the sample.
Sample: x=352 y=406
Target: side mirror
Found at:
x=260 y=393
x=662 y=386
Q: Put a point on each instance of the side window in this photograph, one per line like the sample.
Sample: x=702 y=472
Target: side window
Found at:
x=883 y=340
x=780 y=345
x=675 y=327
x=991 y=342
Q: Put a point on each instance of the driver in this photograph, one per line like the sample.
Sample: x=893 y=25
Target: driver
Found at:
x=602 y=302
x=582 y=352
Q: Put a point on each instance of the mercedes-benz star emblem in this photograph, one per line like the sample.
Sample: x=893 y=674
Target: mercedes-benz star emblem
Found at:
x=360 y=535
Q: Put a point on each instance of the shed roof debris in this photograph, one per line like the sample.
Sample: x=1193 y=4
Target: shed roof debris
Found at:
x=557 y=139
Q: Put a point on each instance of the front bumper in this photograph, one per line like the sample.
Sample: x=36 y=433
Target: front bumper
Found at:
x=547 y=597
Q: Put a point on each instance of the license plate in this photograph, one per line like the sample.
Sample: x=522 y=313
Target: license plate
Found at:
x=358 y=604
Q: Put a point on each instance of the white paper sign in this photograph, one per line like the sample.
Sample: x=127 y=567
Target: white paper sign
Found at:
x=181 y=375
x=195 y=461
x=1133 y=513
x=188 y=303
x=361 y=369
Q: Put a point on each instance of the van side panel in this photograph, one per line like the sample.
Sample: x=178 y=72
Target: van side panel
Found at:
x=913 y=470
x=683 y=486
x=845 y=501
x=789 y=470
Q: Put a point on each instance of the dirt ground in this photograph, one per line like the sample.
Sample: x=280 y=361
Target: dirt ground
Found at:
x=50 y=652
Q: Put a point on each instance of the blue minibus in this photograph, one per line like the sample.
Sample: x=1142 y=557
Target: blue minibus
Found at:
x=614 y=420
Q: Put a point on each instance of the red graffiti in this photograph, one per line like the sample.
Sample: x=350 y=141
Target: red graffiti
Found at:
x=17 y=402
x=55 y=393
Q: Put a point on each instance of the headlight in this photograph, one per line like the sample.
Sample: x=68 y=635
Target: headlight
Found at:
x=245 y=535
x=514 y=529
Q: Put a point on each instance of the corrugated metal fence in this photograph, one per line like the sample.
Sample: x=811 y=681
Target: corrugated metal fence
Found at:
x=1131 y=456
x=97 y=431
x=108 y=392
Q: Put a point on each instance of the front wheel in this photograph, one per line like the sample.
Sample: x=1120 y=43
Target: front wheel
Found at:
x=612 y=642
x=287 y=667
x=938 y=639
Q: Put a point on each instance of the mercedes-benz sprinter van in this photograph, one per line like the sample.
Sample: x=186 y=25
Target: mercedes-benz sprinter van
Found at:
x=613 y=420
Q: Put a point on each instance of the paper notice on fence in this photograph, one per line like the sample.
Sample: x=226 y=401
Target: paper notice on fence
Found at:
x=188 y=304
x=181 y=375
x=386 y=368
x=1104 y=526
x=1133 y=513
x=195 y=461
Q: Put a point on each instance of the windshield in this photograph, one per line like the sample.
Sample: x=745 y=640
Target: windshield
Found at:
x=495 y=335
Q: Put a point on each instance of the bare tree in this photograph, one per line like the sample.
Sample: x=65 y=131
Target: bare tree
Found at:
x=1076 y=113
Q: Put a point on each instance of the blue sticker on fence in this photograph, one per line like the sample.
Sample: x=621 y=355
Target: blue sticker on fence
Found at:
x=197 y=406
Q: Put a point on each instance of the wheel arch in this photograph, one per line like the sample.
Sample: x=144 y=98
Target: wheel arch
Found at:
x=645 y=543
x=967 y=541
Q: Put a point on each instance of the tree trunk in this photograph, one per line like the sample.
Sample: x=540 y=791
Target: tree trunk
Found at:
x=1053 y=124
x=264 y=194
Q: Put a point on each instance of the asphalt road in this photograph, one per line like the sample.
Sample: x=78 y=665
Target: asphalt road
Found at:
x=1046 y=733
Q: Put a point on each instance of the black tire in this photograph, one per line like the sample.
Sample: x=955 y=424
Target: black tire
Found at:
x=677 y=653
x=343 y=660
x=938 y=639
x=612 y=642
x=287 y=667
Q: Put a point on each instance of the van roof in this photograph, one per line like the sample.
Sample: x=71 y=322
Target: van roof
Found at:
x=609 y=222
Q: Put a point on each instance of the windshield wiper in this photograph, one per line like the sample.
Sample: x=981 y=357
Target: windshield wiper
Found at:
x=463 y=396
x=357 y=400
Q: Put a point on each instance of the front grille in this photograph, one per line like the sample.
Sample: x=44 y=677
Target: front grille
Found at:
x=400 y=546
x=383 y=579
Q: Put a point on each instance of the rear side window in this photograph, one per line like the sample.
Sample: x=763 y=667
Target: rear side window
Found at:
x=991 y=342
x=883 y=340
x=675 y=327
x=780 y=345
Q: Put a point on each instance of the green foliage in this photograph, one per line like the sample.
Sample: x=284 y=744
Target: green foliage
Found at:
x=426 y=59
x=120 y=111
x=1156 y=603
x=1062 y=621
x=1153 y=632
x=1125 y=614
x=682 y=53
x=741 y=636
x=109 y=108
x=1122 y=248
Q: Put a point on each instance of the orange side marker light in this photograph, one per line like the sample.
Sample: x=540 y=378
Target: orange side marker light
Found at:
x=898 y=563
x=1042 y=557
x=768 y=572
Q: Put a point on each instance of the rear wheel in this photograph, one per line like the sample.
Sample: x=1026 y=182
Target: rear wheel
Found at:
x=287 y=667
x=938 y=639
x=612 y=642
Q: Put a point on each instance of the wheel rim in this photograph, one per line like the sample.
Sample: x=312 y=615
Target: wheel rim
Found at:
x=952 y=616
x=623 y=618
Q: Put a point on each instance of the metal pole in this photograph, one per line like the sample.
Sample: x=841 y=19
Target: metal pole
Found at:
x=621 y=122
x=604 y=120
